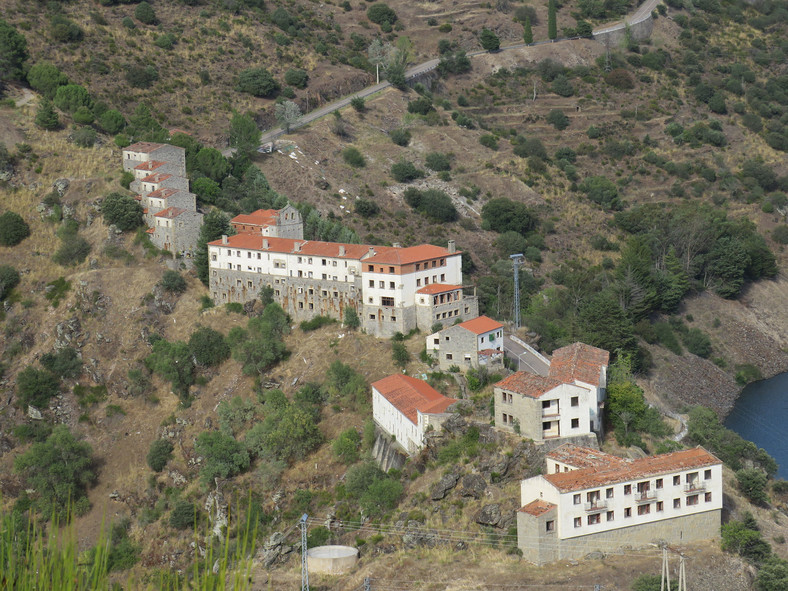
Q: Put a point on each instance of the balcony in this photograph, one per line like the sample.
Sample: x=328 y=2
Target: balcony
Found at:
x=646 y=496
x=596 y=506
x=551 y=413
x=694 y=487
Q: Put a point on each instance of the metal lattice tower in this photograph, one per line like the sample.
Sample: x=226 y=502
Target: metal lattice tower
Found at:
x=304 y=568
x=517 y=260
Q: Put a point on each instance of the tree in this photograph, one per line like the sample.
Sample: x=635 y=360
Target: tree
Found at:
x=552 y=25
x=350 y=318
x=223 y=456
x=36 y=387
x=288 y=432
x=528 y=35
x=601 y=190
x=287 y=113
x=112 y=121
x=605 y=325
x=561 y=86
x=71 y=97
x=380 y=13
x=752 y=484
x=173 y=362
x=378 y=54
x=207 y=190
x=60 y=470
x=159 y=454
x=212 y=164
x=46 y=116
x=773 y=575
x=173 y=282
x=65 y=363
x=503 y=215
x=13 y=53
x=489 y=40
x=405 y=171
x=395 y=66
x=9 y=279
x=215 y=225
x=297 y=77
x=122 y=210
x=261 y=347
x=13 y=229
x=46 y=78
x=145 y=13
x=244 y=134
x=744 y=538
x=257 y=82
x=209 y=347
x=727 y=262
x=400 y=354
x=647 y=583
x=558 y=119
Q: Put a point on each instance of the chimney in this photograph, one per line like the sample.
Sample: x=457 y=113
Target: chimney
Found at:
x=452 y=247
x=397 y=245
x=265 y=243
x=341 y=250
x=224 y=238
x=297 y=246
x=371 y=251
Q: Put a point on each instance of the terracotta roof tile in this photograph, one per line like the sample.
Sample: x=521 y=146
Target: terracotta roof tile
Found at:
x=528 y=384
x=156 y=177
x=411 y=254
x=169 y=213
x=579 y=362
x=411 y=395
x=537 y=507
x=143 y=147
x=163 y=193
x=579 y=456
x=149 y=165
x=612 y=473
x=481 y=325
x=434 y=288
x=488 y=352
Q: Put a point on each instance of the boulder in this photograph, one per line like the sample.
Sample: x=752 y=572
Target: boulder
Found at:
x=489 y=515
x=61 y=186
x=34 y=413
x=473 y=485
x=441 y=488
x=68 y=333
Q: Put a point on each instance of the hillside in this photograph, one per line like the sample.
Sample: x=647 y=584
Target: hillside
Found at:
x=647 y=162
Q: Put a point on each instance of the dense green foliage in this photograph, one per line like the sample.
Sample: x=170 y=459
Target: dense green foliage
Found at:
x=375 y=492
x=222 y=455
x=257 y=82
x=13 y=229
x=73 y=248
x=489 y=40
x=215 y=224
x=173 y=282
x=260 y=345
x=46 y=78
x=353 y=157
x=346 y=446
x=380 y=13
x=405 y=171
x=64 y=363
x=159 y=454
x=744 y=538
x=36 y=387
x=123 y=211
x=13 y=53
x=208 y=347
x=433 y=203
x=752 y=484
x=174 y=363
x=9 y=279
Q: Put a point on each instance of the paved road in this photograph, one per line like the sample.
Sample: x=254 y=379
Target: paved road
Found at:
x=527 y=360
x=270 y=135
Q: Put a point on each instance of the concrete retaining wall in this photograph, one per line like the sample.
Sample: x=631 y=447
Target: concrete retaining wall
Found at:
x=613 y=36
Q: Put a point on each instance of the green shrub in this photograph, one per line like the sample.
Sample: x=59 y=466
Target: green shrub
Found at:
x=159 y=454
x=112 y=122
x=746 y=373
x=380 y=13
x=405 y=171
x=366 y=208
x=84 y=137
x=489 y=40
x=437 y=161
x=73 y=247
x=223 y=456
x=558 y=119
x=142 y=76
x=257 y=82
x=297 y=77
x=208 y=347
x=780 y=234
x=184 y=515
x=562 y=87
x=353 y=157
x=489 y=141
x=752 y=484
x=433 y=203
x=667 y=338
x=697 y=342
x=400 y=354
x=346 y=446
x=71 y=97
x=36 y=387
x=9 y=279
x=602 y=191
x=56 y=290
x=420 y=106
x=316 y=322
x=400 y=136
x=13 y=229
x=166 y=41
x=46 y=78
x=123 y=211
x=65 y=363
x=173 y=282
x=620 y=79
x=358 y=103
x=145 y=13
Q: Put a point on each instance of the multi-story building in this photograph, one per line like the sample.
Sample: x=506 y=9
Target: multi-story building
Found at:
x=275 y=223
x=311 y=278
x=469 y=344
x=568 y=402
x=169 y=208
x=406 y=408
x=592 y=501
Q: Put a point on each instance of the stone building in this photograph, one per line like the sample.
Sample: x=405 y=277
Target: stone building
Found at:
x=169 y=208
x=469 y=344
x=276 y=223
x=406 y=408
x=310 y=278
x=591 y=501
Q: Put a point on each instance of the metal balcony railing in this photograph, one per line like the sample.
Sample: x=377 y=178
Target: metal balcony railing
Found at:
x=596 y=506
x=693 y=487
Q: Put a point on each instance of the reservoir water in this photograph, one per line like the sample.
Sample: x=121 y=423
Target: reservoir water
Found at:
x=761 y=416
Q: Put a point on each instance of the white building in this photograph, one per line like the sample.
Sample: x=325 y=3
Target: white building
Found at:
x=469 y=344
x=593 y=501
x=405 y=408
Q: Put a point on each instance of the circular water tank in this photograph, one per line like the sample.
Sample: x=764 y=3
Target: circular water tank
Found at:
x=331 y=560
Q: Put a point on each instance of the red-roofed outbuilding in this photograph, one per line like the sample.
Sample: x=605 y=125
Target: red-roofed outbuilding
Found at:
x=462 y=345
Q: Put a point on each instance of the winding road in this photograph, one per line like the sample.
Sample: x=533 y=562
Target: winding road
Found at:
x=269 y=136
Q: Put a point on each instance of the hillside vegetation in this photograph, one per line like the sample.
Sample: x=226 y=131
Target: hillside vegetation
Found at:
x=645 y=185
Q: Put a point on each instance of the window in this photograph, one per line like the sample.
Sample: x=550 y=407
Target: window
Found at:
x=371 y=268
x=382 y=284
x=576 y=499
x=644 y=509
x=610 y=515
x=372 y=317
x=627 y=489
x=371 y=283
x=323 y=261
x=549 y=525
x=324 y=276
x=393 y=318
x=557 y=467
x=707 y=475
x=300 y=305
x=691 y=478
x=418 y=282
x=628 y=512
x=249 y=255
x=545 y=404
x=575 y=401
x=386 y=301
x=333 y=263
x=418 y=266
x=300 y=259
x=249 y=284
x=593 y=519
x=676 y=480
x=213 y=257
x=449 y=356
x=391 y=269
x=707 y=497
x=677 y=503
x=659 y=483
x=575 y=423
x=434 y=264
x=660 y=506
x=609 y=493
x=692 y=500
x=309 y=260
x=391 y=285
x=578 y=522
x=443 y=277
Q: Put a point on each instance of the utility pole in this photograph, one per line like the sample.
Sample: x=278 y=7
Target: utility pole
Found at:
x=304 y=567
x=367 y=585
x=608 y=65
x=682 y=574
x=664 y=584
x=517 y=260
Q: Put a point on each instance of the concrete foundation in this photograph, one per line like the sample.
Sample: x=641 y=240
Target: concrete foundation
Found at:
x=331 y=560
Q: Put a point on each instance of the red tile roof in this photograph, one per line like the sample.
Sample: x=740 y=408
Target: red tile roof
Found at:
x=578 y=456
x=169 y=213
x=411 y=396
x=156 y=177
x=308 y=247
x=434 y=288
x=537 y=507
x=612 y=473
x=488 y=352
x=261 y=217
x=405 y=256
x=143 y=147
x=528 y=384
x=149 y=165
x=579 y=362
x=163 y=193
x=481 y=325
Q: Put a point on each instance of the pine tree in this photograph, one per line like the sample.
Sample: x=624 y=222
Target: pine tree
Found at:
x=46 y=117
x=528 y=35
x=552 y=27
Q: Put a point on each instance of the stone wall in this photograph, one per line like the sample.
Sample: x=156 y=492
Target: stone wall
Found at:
x=615 y=35
x=540 y=546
